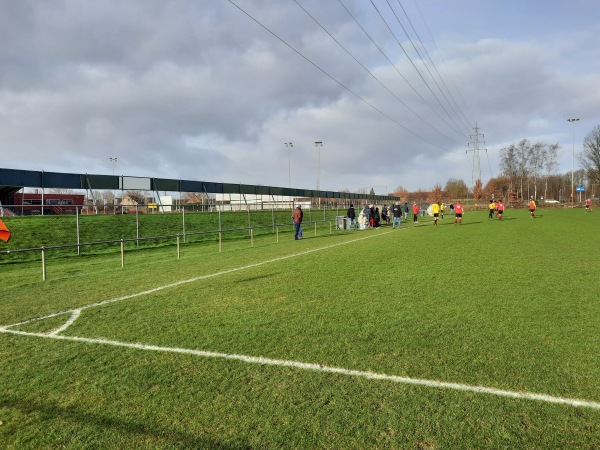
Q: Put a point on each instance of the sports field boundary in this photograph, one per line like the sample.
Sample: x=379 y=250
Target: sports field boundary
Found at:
x=326 y=369
x=75 y=313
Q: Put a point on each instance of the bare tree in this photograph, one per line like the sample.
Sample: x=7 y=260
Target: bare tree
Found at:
x=522 y=160
x=550 y=164
x=526 y=161
x=537 y=156
x=590 y=157
x=508 y=164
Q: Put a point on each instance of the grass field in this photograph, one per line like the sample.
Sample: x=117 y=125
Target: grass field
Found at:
x=484 y=335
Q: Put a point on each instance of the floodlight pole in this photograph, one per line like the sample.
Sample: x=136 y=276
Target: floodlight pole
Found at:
x=289 y=146
x=113 y=161
x=319 y=146
x=573 y=163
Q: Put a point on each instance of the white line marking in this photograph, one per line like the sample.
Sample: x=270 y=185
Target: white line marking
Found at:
x=68 y=323
x=327 y=369
x=191 y=280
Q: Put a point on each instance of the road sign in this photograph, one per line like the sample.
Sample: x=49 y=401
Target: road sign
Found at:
x=580 y=189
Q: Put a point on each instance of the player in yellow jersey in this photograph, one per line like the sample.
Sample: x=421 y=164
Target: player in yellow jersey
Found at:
x=435 y=209
x=492 y=207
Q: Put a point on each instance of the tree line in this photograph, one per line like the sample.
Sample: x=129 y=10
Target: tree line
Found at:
x=527 y=169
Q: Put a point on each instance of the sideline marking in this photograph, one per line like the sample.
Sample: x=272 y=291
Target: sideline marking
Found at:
x=328 y=369
x=177 y=283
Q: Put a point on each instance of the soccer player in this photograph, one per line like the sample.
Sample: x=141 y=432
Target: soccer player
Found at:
x=492 y=206
x=588 y=205
x=532 y=207
x=435 y=209
x=415 y=212
x=500 y=207
x=458 y=213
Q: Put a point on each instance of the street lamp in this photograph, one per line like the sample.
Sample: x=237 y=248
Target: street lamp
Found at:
x=573 y=163
x=289 y=146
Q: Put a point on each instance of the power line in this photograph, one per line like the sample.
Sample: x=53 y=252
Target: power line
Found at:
x=401 y=75
x=371 y=73
x=466 y=121
x=332 y=77
x=423 y=60
x=441 y=57
x=414 y=65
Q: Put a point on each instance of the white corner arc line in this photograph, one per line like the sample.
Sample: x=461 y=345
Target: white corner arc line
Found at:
x=328 y=369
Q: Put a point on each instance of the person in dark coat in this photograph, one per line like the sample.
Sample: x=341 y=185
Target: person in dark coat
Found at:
x=351 y=214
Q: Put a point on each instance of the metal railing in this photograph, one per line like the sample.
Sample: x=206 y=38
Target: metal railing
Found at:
x=176 y=237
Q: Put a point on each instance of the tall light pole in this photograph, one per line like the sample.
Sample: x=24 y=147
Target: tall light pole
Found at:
x=573 y=163
x=113 y=161
x=289 y=146
x=319 y=145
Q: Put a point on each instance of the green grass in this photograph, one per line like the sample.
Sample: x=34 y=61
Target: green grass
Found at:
x=509 y=305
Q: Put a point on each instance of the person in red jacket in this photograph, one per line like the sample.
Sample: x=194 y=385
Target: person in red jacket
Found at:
x=458 y=213
x=415 y=212
x=500 y=207
x=297 y=218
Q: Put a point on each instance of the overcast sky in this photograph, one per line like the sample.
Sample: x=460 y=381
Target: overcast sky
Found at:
x=207 y=90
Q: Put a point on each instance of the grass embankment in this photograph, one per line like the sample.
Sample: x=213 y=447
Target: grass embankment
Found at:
x=193 y=228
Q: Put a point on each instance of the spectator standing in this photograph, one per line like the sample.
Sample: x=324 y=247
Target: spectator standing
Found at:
x=458 y=209
x=297 y=218
x=367 y=214
x=384 y=213
x=451 y=209
x=351 y=217
x=405 y=211
x=377 y=218
x=397 y=212
x=415 y=209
